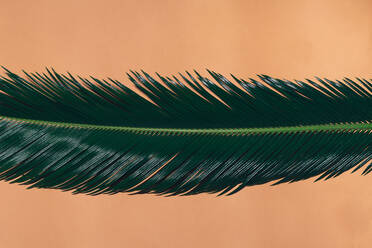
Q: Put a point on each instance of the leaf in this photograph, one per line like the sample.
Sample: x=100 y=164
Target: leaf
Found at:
x=185 y=135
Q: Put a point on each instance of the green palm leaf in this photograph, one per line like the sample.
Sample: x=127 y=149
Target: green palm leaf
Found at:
x=183 y=135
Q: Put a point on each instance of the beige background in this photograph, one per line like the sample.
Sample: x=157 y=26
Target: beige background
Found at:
x=292 y=39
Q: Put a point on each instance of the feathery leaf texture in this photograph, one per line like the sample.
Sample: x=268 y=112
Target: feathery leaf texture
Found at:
x=179 y=135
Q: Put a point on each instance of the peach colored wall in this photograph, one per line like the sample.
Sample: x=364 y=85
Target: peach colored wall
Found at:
x=293 y=39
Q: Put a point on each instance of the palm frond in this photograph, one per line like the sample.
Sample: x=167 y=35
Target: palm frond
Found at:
x=183 y=135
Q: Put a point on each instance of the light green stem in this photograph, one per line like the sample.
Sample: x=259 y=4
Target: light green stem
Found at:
x=324 y=127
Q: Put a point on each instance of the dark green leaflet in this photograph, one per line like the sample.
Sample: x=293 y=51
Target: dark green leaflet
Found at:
x=186 y=103
x=99 y=138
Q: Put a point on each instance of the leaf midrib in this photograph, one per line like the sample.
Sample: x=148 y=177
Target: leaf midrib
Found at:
x=322 y=127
